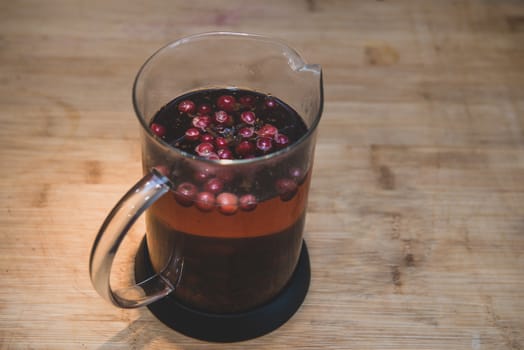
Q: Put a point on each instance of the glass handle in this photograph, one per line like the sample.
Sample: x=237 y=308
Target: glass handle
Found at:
x=111 y=234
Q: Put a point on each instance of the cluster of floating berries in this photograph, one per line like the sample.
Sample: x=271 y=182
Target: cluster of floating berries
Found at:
x=211 y=196
x=207 y=191
x=227 y=128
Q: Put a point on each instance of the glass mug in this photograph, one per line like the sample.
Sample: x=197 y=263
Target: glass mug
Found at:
x=208 y=260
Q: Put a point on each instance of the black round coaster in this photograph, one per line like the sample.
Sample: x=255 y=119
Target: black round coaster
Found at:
x=229 y=327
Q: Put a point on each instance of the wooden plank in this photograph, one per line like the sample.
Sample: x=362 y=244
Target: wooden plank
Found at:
x=415 y=219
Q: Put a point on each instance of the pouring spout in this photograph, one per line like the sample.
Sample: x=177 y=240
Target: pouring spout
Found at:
x=311 y=68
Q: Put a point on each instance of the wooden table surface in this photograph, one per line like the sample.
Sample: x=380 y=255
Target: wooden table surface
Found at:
x=416 y=214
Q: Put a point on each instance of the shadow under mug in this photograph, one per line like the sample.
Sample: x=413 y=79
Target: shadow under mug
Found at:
x=208 y=260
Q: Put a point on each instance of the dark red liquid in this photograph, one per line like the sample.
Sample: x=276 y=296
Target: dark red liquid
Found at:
x=232 y=260
x=267 y=110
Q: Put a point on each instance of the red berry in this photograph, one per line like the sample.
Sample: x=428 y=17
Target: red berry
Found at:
x=264 y=144
x=192 y=134
x=203 y=174
x=286 y=188
x=205 y=201
x=204 y=149
x=207 y=138
x=212 y=156
x=185 y=193
x=221 y=117
x=204 y=108
x=158 y=129
x=267 y=130
x=246 y=132
x=201 y=121
x=214 y=185
x=248 y=117
x=186 y=106
x=270 y=103
x=226 y=102
x=248 y=202
x=281 y=140
x=227 y=203
x=245 y=148
x=221 y=142
x=224 y=153
x=295 y=173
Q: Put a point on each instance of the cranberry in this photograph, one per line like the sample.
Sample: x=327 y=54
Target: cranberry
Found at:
x=192 y=134
x=286 y=188
x=226 y=102
x=200 y=176
x=245 y=148
x=227 y=203
x=221 y=142
x=270 y=103
x=204 y=149
x=295 y=173
x=214 y=185
x=212 y=156
x=185 y=193
x=281 y=140
x=248 y=117
x=267 y=130
x=203 y=174
x=247 y=101
x=158 y=129
x=221 y=117
x=248 y=202
x=205 y=201
x=246 y=132
x=264 y=144
x=207 y=138
x=224 y=153
x=204 y=108
x=186 y=106
x=201 y=121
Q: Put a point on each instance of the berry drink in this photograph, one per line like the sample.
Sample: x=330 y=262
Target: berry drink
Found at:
x=235 y=222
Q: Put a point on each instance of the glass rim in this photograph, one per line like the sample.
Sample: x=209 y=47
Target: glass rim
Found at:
x=299 y=63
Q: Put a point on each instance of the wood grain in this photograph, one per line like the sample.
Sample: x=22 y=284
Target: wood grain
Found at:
x=416 y=213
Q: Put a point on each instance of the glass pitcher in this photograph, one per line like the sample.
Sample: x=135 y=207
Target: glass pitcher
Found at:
x=232 y=256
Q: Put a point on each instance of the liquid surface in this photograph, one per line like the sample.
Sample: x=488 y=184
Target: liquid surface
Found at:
x=244 y=123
